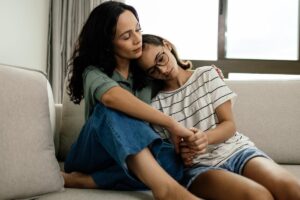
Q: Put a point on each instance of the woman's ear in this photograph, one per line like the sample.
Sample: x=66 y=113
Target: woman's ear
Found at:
x=167 y=44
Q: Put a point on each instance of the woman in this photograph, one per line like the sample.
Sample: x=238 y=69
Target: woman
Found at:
x=116 y=149
x=227 y=165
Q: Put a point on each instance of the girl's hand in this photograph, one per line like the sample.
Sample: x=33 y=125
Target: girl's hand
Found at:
x=197 y=142
x=186 y=154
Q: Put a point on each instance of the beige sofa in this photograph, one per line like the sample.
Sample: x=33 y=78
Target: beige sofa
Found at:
x=266 y=111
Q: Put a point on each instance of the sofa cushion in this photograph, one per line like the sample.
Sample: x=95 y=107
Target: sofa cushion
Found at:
x=28 y=163
x=92 y=194
x=268 y=112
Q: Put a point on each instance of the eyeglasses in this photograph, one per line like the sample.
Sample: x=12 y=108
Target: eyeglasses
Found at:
x=161 y=59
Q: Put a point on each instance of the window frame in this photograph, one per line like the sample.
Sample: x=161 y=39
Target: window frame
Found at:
x=229 y=65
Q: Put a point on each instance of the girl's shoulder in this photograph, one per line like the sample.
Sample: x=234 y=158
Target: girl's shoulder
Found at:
x=202 y=73
x=203 y=69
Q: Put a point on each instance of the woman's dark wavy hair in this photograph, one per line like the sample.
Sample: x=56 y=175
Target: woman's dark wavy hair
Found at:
x=139 y=75
x=94 y=45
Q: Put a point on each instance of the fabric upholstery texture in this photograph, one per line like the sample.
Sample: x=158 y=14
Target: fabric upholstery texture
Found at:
x=73 y=120
x=79 y=194
x=28 y=164
x=268 y=112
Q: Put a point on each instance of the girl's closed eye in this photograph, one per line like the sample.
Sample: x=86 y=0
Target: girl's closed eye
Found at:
x=151 y=71
x=160 y=58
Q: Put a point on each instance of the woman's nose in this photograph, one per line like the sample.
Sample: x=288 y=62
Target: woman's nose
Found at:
x=137 y=38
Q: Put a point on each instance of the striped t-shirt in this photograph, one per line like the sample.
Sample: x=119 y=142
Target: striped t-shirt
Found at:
x=194 y=105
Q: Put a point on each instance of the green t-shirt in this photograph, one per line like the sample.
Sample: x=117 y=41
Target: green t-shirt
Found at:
x=96 y=83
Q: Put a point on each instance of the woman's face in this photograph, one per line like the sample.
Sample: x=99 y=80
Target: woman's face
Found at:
x=158 y=62
x=128 y=38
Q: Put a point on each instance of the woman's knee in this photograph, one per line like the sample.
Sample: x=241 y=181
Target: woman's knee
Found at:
x=104 y=118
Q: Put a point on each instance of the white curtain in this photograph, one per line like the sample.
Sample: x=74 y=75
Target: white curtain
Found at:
x=66 y=20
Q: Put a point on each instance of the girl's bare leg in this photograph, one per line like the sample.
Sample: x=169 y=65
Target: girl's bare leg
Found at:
x=146 y=168
x=221 y=184
x=275 y=178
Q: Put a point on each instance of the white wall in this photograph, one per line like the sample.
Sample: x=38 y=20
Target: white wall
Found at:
x=24 y=33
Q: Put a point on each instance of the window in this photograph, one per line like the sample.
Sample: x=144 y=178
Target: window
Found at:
x=241 y=36
x=262 y=29
x=192 y=25
x=249 y=76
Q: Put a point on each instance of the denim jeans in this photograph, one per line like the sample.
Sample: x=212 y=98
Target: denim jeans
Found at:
x=107 y=139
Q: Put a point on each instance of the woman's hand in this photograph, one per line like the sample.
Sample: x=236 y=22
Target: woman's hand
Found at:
x=219 y=71
x=177 y=132
x=192 y=146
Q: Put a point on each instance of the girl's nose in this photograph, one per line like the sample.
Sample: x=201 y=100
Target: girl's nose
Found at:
x=163 y=69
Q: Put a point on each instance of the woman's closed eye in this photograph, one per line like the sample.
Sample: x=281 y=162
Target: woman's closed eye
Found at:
x=127 y=35
x=138 y=28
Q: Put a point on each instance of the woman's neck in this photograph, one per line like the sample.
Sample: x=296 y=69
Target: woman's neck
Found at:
x=123 y=67
x=181 y=78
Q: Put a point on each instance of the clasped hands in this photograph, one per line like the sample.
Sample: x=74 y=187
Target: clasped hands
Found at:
x=192 y=146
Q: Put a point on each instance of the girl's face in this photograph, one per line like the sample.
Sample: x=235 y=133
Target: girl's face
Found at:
x=128 y=38
x=158 y=62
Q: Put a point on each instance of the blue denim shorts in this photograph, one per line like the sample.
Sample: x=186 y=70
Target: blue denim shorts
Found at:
x=235 y=164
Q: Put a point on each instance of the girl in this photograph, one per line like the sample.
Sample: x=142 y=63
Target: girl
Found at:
x=116 y=149
x=227 y=165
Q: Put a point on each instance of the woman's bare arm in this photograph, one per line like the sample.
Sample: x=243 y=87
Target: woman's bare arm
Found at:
x=122 y=100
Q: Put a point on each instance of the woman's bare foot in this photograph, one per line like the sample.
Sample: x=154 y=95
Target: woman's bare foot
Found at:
x=172 y=192
x=78 y=180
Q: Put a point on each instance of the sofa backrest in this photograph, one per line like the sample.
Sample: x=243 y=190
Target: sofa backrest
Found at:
x=268 y=111
x=72 y=121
